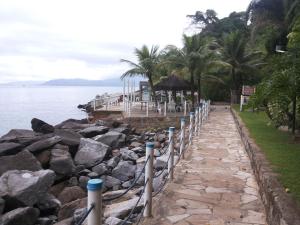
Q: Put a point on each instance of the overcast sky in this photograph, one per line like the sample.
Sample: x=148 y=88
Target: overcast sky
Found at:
x=51 y=39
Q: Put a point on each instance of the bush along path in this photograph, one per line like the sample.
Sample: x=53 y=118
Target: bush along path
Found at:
x=214 y=184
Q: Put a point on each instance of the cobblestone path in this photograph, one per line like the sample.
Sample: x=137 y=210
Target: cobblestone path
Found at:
x=214 y=184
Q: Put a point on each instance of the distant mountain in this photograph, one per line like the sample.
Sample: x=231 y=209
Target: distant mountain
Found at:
x=82 y=82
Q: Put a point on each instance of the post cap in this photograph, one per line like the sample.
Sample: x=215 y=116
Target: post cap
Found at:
x=149 y=145
x=94 y=184
x=171 y=129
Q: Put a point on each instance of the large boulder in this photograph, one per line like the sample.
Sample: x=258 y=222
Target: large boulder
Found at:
x=124 y=171
x=40 y=126
x=2 y=205
x=70 y=194
x=21 y=161
x=113 y=139
x=73 y=124
x=93 y=131
x=43 y=144
x=90 y=152
x=20 y=216
x=10 y=148
x=128 y=155
x=111 y=182
x=25 y=188
x=122 y=209
x=100 y=169
x=49 y=204
x=61 y=162
x=68 y=137
x=21 y=136
x=68 y=209
x=113 y=162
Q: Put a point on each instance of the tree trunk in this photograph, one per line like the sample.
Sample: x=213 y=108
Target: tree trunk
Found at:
x=192 y=90
x=294 y=114
x=199 y=88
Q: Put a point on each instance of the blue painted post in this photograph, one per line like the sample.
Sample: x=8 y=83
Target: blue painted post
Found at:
x=148 y=179
x=182 y=137
x=171 y=152
x=191 y=128
x=94 y=187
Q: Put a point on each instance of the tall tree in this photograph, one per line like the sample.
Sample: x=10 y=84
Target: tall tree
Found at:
x=186 y=58
x=147 y=65
x=242 y=63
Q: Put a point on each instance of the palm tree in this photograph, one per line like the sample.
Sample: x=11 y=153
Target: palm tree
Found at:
x=186 y=58
x=148 y=60
x=241 y=62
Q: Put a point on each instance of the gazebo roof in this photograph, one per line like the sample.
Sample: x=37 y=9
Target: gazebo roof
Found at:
x=173 y=83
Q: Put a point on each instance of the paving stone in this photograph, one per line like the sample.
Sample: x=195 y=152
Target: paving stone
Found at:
x=214 y=184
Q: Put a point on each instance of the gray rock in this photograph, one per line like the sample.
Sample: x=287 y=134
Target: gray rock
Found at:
x=115 y=221
x=67 y=221
x=23 y=187
x=113 y=162
x=78 y=214
x=2 y=205
x=73 y=181
x=43 y=144
x=20 y=216
x=93 y=175
x=21 y=161
x=40 y=126
x=100 y=169
x=110 y=182
x=138 y=150
x=84 y=172
x=21 y=136
x=73 y=124
x=90 y=152
x=68 y=137
x=83 y=180
x=93 y=131
x=128 y=155
x=122 y=209
x=161 y=137
x=44 y=221
x=61 y=162
x=124 y=171
x=44 y=158
x=49 y=204
x=9 y=148
x=161 y=161
x=112 y=139
x=158 y=181
x=70 y=194
x=121 y=129
x=67 y=210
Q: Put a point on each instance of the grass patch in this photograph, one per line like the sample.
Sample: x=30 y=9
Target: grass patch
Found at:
x=278 y=147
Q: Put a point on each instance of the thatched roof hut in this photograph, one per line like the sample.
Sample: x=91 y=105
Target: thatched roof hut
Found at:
x=173 y=83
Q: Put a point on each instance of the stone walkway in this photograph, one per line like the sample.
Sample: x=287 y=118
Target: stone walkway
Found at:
x=214 y=185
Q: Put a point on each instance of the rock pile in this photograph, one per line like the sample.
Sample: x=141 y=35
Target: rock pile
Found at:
x=44 y=172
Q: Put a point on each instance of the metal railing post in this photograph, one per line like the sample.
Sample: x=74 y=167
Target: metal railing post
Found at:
x=199 y=119
x=147 y=109
x=191 y=128
x=182 y=137
x=196 y=121
x=94 y=187
x=184 y=108
x=165 y=108
x=171 y=152
x=148 y=179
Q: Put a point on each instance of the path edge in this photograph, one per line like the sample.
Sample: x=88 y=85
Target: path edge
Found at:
x=280 y=208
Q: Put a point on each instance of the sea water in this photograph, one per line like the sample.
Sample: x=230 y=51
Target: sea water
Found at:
x=53 y=104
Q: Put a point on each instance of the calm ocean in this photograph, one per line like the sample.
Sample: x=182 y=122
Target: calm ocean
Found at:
x=18 y=105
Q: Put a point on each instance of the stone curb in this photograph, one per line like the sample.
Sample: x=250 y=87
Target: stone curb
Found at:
x=280 y=208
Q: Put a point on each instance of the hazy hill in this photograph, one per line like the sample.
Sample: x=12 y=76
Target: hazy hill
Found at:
x=82 y=82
